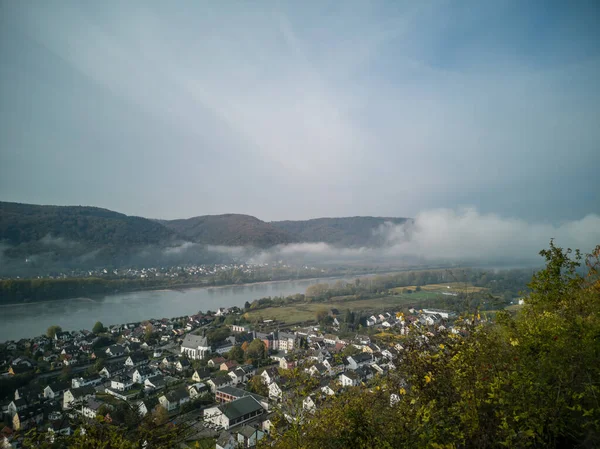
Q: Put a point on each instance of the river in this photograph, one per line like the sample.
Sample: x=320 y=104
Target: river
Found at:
x=31 y=319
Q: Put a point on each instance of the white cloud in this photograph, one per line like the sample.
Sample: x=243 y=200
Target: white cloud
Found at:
x=446 y=235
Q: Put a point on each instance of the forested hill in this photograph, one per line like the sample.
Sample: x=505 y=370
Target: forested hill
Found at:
x=230 y=230
x=39 y=239
x=344 y=231
x=23 y=223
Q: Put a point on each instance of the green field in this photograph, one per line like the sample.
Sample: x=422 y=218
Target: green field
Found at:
x=307 y=311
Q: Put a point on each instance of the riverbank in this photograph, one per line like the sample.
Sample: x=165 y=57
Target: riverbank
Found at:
x=7 y=301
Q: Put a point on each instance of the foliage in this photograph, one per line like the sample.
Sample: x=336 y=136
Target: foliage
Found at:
x=256 y=385
x=98 y=328
x=236 y=353
x=256 y=350
x=53 y=330
x=530 y=380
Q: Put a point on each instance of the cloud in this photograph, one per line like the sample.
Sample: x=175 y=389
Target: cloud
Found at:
x=451 y=236
x=466 y=234
x=176 y=250
x=59 y=242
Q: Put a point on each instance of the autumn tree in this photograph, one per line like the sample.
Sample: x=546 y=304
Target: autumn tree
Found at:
x=98 y=328
x=53 y=330
x=256 y=350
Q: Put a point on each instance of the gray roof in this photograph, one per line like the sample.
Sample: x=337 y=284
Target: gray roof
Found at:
x=240 y=407
x=194 y=341
x=177 y=395
x=240 y=393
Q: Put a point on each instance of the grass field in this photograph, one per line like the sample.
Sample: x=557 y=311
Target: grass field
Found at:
x=455 y=287
x=307 y=311
x=296 y=313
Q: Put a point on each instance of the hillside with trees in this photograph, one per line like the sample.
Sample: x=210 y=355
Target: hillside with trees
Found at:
x=230 y=230
x=343 y=231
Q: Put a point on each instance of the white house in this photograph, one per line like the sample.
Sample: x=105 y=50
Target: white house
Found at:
x=349 y=379
x=121 y=383
x=55 y=390
x=75 y=395
x=136 y=359
x=141 y=374
x=174 y=398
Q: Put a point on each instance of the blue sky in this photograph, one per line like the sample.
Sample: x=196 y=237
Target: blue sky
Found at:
x=290 y=110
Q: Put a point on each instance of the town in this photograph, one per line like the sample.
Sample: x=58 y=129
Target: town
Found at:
x=173 y=272
x=226 y=377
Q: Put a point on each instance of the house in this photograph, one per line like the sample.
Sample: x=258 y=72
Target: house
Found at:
x=112 y=370
x=201 y=374
x=330 y=339
x=74 y=395
x=214 y=362
x=56 y=389
x=137 y=359
x=59 y=427
x=155 y=383
x=142 y=373
x=309 y=404
x=115 y=351
x=269 y=375
x=248 y=437
x=275 y=391
x=224 y=348
x=287 y=341
x=226 y=366
x=195 y=347
x=226 y=441
x=219 y=382
x=182 y=365
x=91 y=407
x=234 y=413
x=79 y=382
x=174 y=398
x=145 y=406
x=349 y=379
x=319 y=369
x=240 y=328
x=355 y=361
x=169 y=361
x=442 y=313
x=121 y=383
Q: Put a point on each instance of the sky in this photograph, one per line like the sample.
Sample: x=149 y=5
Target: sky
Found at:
x=295 y=110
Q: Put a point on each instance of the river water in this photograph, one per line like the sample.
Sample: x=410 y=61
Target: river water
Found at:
x=28 y=320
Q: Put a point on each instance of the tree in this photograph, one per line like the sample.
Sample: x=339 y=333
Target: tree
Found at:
x=256 y=385
x=53 y=330
x=98 y=328
x=246 y=305
x=321 y=315
x=256 y=350
x=236 y=353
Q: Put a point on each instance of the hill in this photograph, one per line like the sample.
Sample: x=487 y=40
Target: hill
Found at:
x=344 y=231
x=230 y=230
x=49 y=237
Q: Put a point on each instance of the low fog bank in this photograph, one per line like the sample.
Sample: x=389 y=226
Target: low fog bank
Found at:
x=453 y=237
x=434 y=238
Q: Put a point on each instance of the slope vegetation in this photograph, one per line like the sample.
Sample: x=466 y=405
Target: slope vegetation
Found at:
x=344 y=231
x=230 y=230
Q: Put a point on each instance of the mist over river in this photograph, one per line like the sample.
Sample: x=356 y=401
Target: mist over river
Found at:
x=32 y=319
